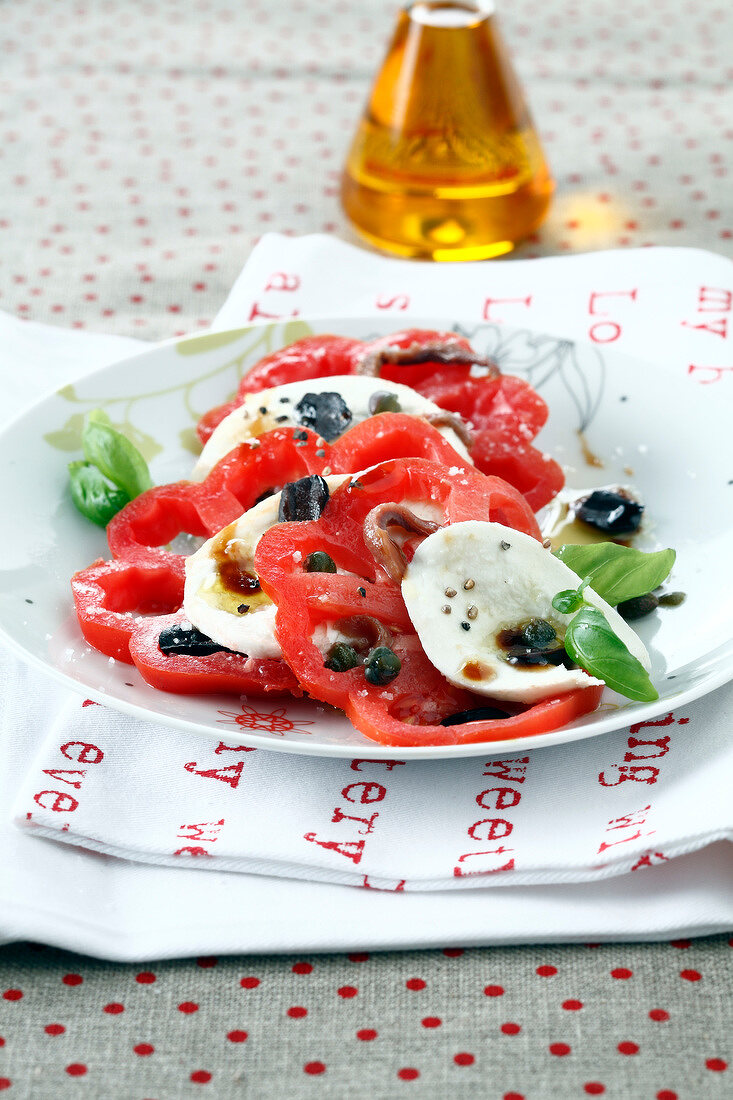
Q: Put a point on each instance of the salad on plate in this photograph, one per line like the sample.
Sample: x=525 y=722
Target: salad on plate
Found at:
x=361 y=527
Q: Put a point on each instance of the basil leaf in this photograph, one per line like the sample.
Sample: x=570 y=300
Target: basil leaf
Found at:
x=616 y=572
x=114 y=454
x=93 y=495
x=592 y=644
x=567 y=601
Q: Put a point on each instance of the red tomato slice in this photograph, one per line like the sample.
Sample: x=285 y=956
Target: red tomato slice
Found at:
x=312 y=357
x=504 y=412
x=391 y=435
x=222 y=672
x=110 y=596
x=144 y=527
x=409 y=709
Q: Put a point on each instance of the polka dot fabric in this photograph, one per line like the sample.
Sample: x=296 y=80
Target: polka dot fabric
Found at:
x=145 y=146
x=563 y=1026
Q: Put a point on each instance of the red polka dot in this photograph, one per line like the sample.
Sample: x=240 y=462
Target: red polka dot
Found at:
x=622 y=973
x=415 y=983
x=347 y=991
x=717 y=1065
x=513 y=1096
x=691 y=975
x=144 y=1049
x=682 y=944
x=187 y=1007
x=249 y=983
x=237 y=1036
x=114 y=1008
x=494 y=990
x=572 y=1006
x=72 y=979
x=628 y=1048
x=366 y=1034
x=594 y=1088
x=76 y=1069
x=431 y=1021
x=207 y=961
x=408 y=1073
x=297 y=1012
x=12 y=994
x=453 y=952
x=666 y=1094
x=658 y=1014
x=359 y=956
x=559 y=1049
x=145 y=977
x=546 y=971
x=302 y=968
x=5 y=1083
x=54 y=1029
x=510 y=1029
x=463 y=1058
x=314 y=1068
x=200 y=1077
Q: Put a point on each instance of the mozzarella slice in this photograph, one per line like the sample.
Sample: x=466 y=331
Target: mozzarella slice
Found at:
x=490 y=578
x=276 y=408
x=222 y=597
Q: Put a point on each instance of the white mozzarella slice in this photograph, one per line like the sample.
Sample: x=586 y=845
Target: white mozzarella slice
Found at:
x=249 y=420
x=213 y=606
x=511 y=578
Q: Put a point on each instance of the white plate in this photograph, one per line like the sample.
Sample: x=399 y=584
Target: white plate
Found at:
x=675 y=437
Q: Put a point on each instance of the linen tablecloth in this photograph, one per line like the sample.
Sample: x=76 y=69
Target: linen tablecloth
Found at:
x=144 y=149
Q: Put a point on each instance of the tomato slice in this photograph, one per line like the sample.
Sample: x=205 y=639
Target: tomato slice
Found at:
x=504 y=411
x=144 y=527
x=391 y=435
x=312 y=357
x=409 y=709
x=110 y=596
x=221 y=672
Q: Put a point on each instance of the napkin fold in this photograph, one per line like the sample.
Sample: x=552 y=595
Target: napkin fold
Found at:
x=650 y=800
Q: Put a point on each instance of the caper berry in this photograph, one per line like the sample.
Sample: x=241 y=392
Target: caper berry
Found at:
x=383 y=402
x=637 y=607
x=537 y=634
x=319 y=562
x=381 y=666
x=341 y=657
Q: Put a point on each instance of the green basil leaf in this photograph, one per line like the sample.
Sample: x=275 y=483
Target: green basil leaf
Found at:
x=114 y=454
x=567 y=601
x=593 y=645
x=93 y=495
x=618 y=573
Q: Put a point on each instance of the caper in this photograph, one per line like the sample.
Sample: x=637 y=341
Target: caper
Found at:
x=341 y=657
x=383 y=402
x=537 y=634
x=381 y=666
x=637 y=607
x=672 y=599
x=319 y=562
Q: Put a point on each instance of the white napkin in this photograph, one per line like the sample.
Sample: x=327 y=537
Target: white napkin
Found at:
x=555 y=819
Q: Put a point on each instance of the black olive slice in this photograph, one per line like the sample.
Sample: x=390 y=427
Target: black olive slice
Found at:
x=187 y=640
x=611 y=512
x=303 y=500
x=480 y=714
x=325 y=413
